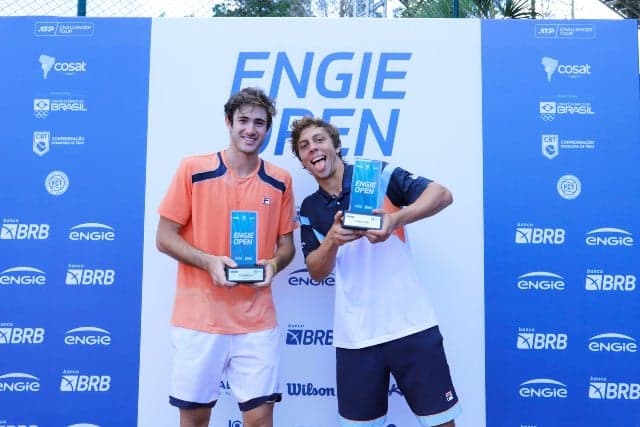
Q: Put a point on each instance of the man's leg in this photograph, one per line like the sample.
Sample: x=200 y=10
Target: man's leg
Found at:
x=262 y=416
x=195 y=417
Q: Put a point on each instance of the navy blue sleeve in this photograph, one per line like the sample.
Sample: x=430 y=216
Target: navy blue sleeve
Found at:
x=404 y=187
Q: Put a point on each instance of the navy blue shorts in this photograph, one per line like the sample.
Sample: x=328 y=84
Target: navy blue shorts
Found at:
x=419 y=366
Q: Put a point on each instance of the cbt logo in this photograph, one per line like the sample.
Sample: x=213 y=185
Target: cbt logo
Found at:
x=19 y=382
x=77 y=274
x=541 y=281
x=23 y=275
x=301 y=278
x=609 y=236
x=41 y=142
x=601 y=388
x=10 y=334
x=529 y=339
x=527 y=234
x=613 y=342
x=87 y=335
x=296 y=335
x=598 y=280
x=12 y=229
x=543 y=388
x=73 y=381
x=92 y=231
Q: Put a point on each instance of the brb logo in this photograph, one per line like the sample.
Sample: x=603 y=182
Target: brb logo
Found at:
x=529 y=339
x=73 y=381
x=297 y=335
x=10 y=334
x=601 y=388
x=599 y=281
x=12 y=229
x=19 y=382
x=543 y=388
x=527 y=234
x=609 y=236
x=77 y=274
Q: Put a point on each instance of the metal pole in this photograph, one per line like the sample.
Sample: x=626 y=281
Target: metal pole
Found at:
x=82 y=7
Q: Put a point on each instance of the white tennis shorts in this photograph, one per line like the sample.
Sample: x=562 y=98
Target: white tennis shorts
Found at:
x=203 y=361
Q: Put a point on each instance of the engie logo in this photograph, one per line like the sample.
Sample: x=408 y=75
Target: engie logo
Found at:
x=87 y=335
x=309 y=389
x=297 y=335
x=609 y=236
x=541 y=281
x=529 y=339
x=78 y=275
x=598 y=280
x=613 y=342
x=600 y=388
x=527 y=234
x=92 y=231
x=19 y=382
x=72 y=381
x=543 y=388
x=301 y=278
x=9 y=334
x=12 y=229
x=23 y=276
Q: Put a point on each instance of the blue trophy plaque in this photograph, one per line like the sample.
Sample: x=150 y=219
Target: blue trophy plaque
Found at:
x=244 y=248
x=365 y=196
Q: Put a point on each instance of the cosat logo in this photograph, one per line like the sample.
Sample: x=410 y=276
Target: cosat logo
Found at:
x=612 y=342
x=309 y=389
x=87 y=335
x=551 y=66
x=541 y=281
x=569 y=187
x=92 y=231
x=598 y=280
x=297 y=335
x=301 y=277
x=543 y=388
x=529 y=339
x=56 y=183
x=41 y=142
x=19 y=382
x=12 y=229
x=527 y=234
x=73 y=381
x=10 y=334
x=23 y=276
x=601 y=388
x=48 y=63
x=78 y=275
x=609 y=236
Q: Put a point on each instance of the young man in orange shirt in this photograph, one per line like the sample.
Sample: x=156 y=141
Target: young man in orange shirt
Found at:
x=222 y=329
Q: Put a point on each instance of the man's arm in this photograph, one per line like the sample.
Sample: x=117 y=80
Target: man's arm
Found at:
x=320 y=262
x=170 y=242
x=433 y=199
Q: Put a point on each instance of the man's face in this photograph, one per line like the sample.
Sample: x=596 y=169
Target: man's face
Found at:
x=317 y=153
x=248 y=129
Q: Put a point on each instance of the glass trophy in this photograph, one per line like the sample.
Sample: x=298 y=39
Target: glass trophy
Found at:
x=365 y=196
x=244 y=248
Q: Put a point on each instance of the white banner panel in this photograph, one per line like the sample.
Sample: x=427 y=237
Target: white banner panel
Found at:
x=404 y=91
